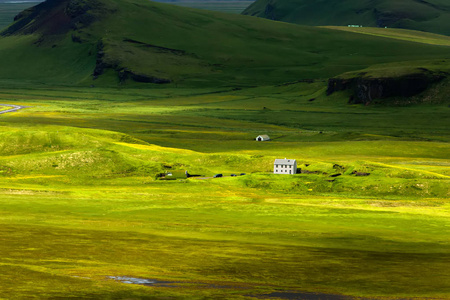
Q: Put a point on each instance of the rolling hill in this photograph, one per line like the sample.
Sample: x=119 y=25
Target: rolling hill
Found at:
x=112 y=42
x=430 y=15
x=83 y=213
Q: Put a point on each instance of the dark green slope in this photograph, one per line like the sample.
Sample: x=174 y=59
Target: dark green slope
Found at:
x=423 y=15
x=75 y=41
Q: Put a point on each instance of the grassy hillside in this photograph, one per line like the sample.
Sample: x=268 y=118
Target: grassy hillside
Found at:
x=164 y=43
x=431 y=16
x=229 y=6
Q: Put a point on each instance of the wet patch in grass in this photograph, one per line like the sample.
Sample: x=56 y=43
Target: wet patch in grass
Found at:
x=143 y=281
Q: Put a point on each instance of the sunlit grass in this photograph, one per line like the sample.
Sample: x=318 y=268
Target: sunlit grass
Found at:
x=401 y=34
x=79 y=199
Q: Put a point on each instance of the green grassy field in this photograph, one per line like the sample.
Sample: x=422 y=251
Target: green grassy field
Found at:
x=80 y=203
x=84 y=216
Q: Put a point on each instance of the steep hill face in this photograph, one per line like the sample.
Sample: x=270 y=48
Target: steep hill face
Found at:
x=110 y=42
x=424 y=15
x=55 y=17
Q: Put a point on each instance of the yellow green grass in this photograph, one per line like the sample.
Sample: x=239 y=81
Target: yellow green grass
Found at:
x=79 y=201
x=401 y=34
x=2 y=108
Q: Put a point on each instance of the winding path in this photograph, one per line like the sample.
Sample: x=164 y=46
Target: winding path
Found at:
x=12 y=109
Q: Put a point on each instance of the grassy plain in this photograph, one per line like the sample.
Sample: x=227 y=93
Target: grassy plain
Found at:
x=80 y=205
x=79 y=202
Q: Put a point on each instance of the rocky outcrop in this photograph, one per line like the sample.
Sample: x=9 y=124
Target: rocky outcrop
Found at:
x=123 y=73
x=387 y=18
x=157 y=48
x=100 y=64
x=80 y=13
x=269 y=12
x=56 y=17
x=367 y=89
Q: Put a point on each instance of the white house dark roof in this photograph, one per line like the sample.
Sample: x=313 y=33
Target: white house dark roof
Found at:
x=284 y=161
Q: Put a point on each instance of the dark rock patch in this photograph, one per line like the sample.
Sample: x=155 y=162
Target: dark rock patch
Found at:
x=307 y=80
x=269 y=12
x=367 y=89
x=100 y=64
x=335 y=175
x=158 y=48
x=125 y=74
x=56 y=17
x=309 y=172
x=360 y=173
x=76 y=39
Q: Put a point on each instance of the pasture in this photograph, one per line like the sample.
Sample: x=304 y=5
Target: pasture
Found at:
x=80 y=207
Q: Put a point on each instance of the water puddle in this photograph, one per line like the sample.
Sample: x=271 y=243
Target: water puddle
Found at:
x=172 y=284
x=289 y=295
x=142 y=281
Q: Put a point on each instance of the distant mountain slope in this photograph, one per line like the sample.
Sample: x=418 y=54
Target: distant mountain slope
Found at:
x=424 y=15
x=9 y=9
x=119 y=41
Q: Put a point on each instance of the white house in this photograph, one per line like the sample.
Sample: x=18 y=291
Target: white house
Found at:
x=285 y=166
x=263 y=138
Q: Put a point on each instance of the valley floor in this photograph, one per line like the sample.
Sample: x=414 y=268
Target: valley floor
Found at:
x=83 y=216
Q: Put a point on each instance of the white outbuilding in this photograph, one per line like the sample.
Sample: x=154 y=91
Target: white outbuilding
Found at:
x=285 y=166
x=263 y=138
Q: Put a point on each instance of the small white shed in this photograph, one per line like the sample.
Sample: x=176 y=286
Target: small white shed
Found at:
x=285 y=166
x=263 y=138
